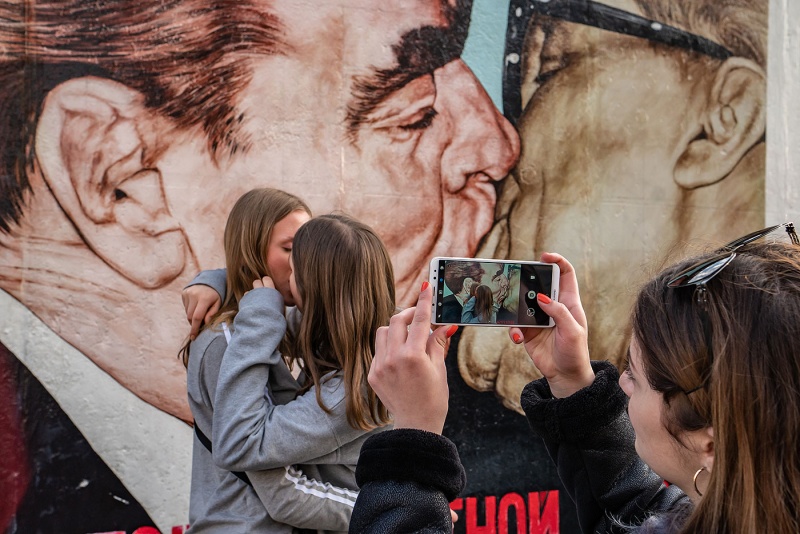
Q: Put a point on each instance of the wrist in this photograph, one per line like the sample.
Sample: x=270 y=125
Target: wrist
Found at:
x=429 y=424
x=563 y=387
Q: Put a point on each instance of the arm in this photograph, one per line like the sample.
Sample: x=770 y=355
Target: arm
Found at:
x=468 y=312
x=290 y=497
x=583 y=420
x=203 y=297
x=590 y=438
x=407 y=479
x=251 y=434
x=408 y=475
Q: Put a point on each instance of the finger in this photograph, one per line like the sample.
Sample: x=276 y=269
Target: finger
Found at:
x=197 y=322
x=523 y=335
x=375 y=369
x=567 y=281
x=420 y=326
x=438 y=340
x=516 y=335
x=257 y=283
x=212 y=312
x=568 y=284
x=398 y=328
x=190 y=306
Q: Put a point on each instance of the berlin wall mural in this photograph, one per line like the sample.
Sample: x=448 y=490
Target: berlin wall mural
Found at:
x=619 y=131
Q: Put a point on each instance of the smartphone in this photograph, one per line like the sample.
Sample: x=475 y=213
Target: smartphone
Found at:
x=491 y=292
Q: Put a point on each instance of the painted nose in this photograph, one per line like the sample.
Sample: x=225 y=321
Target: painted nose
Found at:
x=484 y=144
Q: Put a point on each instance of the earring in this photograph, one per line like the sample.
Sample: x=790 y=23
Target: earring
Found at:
x=694 y=480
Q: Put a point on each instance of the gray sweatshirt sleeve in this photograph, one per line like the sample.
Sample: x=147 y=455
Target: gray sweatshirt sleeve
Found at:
x=286 y=493
x=291 y=497
x=252 y=434
x=215 y=279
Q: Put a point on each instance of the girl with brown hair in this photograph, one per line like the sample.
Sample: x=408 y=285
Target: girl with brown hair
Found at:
x=709 y=401
x=340 y=279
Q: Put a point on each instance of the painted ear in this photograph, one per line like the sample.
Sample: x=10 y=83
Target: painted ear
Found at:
x=734 y=122
x=92 y=152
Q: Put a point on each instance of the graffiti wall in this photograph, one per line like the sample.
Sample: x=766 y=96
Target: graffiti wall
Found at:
x=611 y=132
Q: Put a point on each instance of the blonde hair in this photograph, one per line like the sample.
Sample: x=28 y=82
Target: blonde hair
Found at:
x=345 y=282
x=247 y=236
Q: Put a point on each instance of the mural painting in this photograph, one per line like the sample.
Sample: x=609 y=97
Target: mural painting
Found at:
x=128 y=130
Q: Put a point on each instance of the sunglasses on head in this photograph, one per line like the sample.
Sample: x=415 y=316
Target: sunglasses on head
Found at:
x=700 y=273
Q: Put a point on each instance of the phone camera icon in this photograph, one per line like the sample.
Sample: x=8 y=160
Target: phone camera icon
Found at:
x=532 y=295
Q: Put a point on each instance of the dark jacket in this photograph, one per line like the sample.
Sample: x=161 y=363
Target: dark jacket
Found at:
x=407 y=477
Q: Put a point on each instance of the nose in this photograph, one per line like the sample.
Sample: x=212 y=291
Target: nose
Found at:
x=483 y=142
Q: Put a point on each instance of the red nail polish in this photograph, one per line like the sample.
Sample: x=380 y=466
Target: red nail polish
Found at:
x=517 y=338
x=424 y=286
x=544 y=299
x=452 y=330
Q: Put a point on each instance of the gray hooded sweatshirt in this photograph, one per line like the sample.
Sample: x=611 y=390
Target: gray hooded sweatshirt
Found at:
x=299 y=458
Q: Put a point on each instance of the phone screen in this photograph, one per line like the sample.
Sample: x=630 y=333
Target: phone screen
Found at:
x=491 y=292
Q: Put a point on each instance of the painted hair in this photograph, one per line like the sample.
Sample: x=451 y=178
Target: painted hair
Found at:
x=188 y=58
x=248 y=233
x=749 y=393
x=484 y=300
x=738 y=25
x=345 y=282
x=456 y=272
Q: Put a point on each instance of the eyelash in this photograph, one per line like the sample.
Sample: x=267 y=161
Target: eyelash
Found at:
x=628 y=372
x=423 y=123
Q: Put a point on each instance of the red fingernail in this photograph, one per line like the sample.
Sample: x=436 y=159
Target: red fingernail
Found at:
x=544 y=299
x=517 y=338
x=425 y=286
x=452 y=330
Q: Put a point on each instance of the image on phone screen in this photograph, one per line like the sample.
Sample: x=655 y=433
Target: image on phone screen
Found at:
x=491 y=292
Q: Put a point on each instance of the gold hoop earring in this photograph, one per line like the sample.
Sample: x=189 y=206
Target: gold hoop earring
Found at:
x=694 y=480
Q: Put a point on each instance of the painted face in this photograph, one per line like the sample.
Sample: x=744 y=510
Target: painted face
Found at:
x=604 y=115
x=654 y=444
x=415 y=159
x=279 y=255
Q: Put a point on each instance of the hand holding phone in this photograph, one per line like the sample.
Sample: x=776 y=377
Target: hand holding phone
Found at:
x=492 y=292
x=562 y=353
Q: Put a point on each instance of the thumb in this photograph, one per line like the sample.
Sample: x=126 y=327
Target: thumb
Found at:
x=438 y=341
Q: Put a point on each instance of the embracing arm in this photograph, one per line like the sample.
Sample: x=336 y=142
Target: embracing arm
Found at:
x=203 y=297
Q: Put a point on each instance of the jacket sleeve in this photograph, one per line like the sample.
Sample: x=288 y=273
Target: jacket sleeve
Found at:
x=468 y=312
x=591 y=440
x=290 y=497
x=407 y=479
x=250 y=432
x=215 y=279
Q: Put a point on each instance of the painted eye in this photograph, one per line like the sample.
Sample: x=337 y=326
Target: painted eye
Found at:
x=423 y=123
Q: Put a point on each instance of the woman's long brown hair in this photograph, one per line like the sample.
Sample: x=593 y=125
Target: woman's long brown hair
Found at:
x=484 y=300
x=345 y=280
x=247 y=236
x=749 y=393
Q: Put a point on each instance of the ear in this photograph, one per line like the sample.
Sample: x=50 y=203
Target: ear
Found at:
x=734 y=121
x=92 y=153
x=707 y=449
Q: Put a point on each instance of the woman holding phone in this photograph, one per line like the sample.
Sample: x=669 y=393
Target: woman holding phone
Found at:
x=708 y=401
